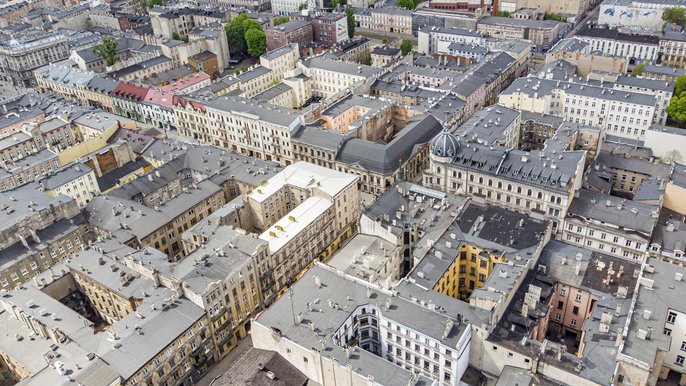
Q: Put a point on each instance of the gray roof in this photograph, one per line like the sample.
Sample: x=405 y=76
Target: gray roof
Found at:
x=670 y=232
x=528 y=23
x=64 y=175
x=643 y=83
x=344 y=67
x=349 y=295
x=24 y=202
x=290 y=26
x=570 y=45
x=471 y=48
x=386 y=158
x=273 y=54
x=662 y=70
x=545 y=169
x=664 y=294
x=487 y=125
x=629 y=215
x=679 y=175
x=540 y=86
x=626 y=162
x=252 y=74
x=273 y=92
x=266 y=112
x=320 y=137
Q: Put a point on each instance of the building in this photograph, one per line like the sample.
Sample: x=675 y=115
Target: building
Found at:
x=330 y=77
x=653 y=338
x=542 y=33
x=38 y=232
x=637 y=15
x=586 y=60
x=662 y=91
x=575 y=7
x=272 y=125
x=672 y=45
x=384 y=56
x=621 y=113
x=539 y=183
x=391 y=19
x=295 y=31
x=205 y=62
x=168 y=21
x=610 y=225
x=372 y=333
x=77 y=181
x=638 y=48
x=20 y=55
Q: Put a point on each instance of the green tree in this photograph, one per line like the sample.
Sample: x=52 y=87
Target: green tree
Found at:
x=677 y=108
x=256 y=41
x=503 y=14
x=107 y=49
x=638 y=69
x=333 y=4
x=409 y=4
x=406 y=46
x=235 y=34
x=176 y=36
x=152 y=3
x=249 y=24
x=680 y=85
x=674 y=15
x=366 y=59
x=302 y=6
x=350 y=18
x=553 y=16
x=280 y=20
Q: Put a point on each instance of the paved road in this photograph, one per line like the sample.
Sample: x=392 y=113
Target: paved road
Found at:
x=592 y=14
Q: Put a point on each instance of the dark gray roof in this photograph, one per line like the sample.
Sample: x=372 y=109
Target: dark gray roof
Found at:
x=320 y=137
x=614 y=211
x=386 y=158
x=528 y=23
x=643 y=83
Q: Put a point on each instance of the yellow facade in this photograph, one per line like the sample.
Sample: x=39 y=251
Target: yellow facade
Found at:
x=468 y=271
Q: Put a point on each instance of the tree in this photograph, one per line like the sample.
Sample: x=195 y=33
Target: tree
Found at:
x=409 y=4
x=503 y=14
x=107 y=49
x=249 y=24
x=674 y=15
x=677 y=108
x=256 y=41
x=280 y=20
x=152 y=3
x=638 y=69
x=680 y=85
x=671 y=156
x=333 y=4
x=553 y=16
x=235 y=34
x=302 y=6
x=176 y=36
x=406 y=46
x=366 y=59
x=350 y=18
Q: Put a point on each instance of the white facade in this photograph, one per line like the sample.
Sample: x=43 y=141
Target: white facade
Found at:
x=428 y=39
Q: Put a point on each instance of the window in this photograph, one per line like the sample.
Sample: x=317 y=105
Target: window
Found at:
x=679 y=360
x=563 y=292
x=683 y=346
x=667 y=332
x=671 y=317
x=573 y=322
x=575 y=310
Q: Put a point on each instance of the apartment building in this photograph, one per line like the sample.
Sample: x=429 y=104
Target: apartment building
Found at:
x=330 y=77
x=651 y=350
x=122 y=353
x=431 y=40
x=465 y=255
x=611 y=225
x=77 y=181
x=579 y=304
x=661 y=90
x=38 y=232
x=295 y=31
x=161 y=227
x=621 y=113
x=494 y=125
x=371 y=332
x=543 y=33
x=281 y=60
x=586 y=60
x=167 y=21
x=638 y=48
x=539 y=183
x=27 y=169
x=391 y=19
x=244 y=126
x=20 y=55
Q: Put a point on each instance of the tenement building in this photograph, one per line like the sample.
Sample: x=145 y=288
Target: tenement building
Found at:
x=539 y=183
x=337 y=329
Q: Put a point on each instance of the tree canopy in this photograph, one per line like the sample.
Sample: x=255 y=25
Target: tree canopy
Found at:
x=680 y=85
x=237 y=32
x=553 y=16
x=350 y=19
x=280 y=20
x=409 y=4
x=152 y=3
x=674 y=15
x=107 y=50
x=256 y=40
x=638 y=69
x=406 y=46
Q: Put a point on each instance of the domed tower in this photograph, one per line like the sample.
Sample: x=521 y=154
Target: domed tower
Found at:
x=444 y=147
